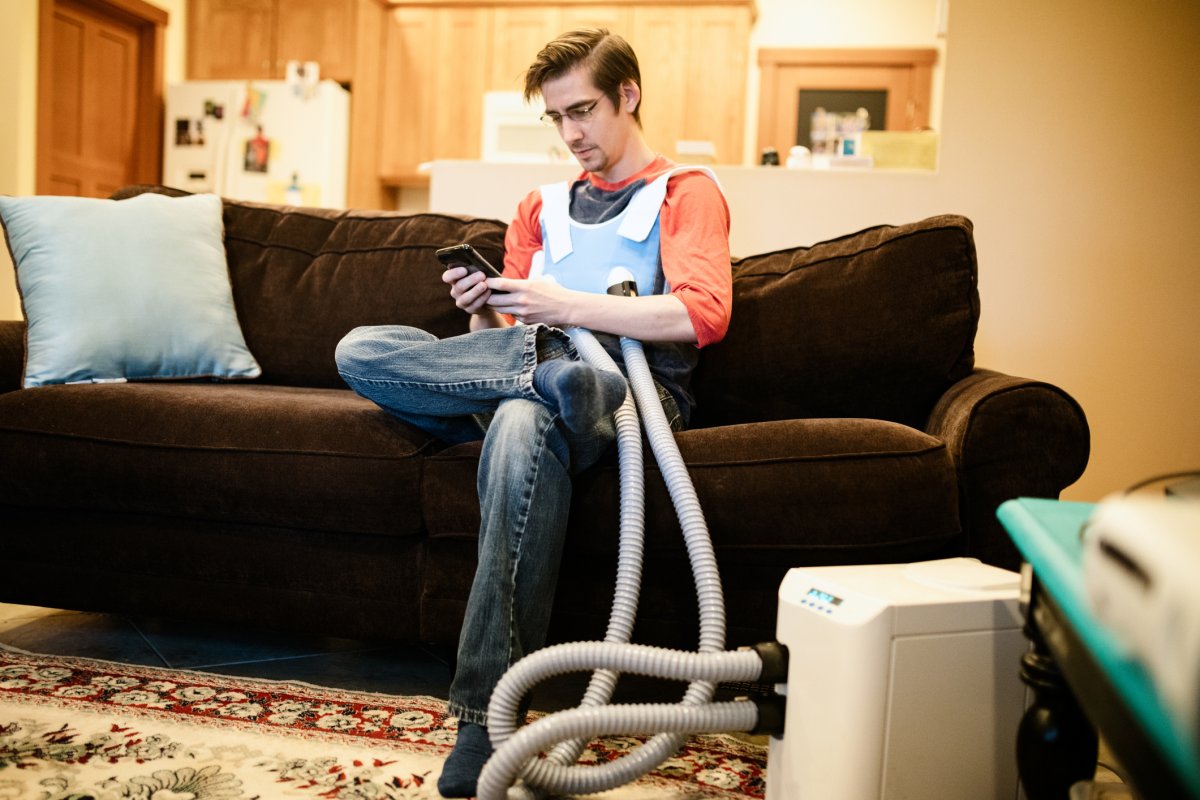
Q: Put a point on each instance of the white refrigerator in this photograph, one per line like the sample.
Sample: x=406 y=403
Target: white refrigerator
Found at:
x=264 y=141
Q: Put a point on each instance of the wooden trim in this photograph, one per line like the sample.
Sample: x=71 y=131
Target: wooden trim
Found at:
x=768 y=90
x=490 y=3
x=139 y=11
x=45 y=96
x=189 y=58
x=826 y=56
x=363 y=187
x=151 y=103
x=148 y=128
x=410 y=180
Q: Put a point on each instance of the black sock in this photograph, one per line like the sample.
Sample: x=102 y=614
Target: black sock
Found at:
x=579 y=392
x=461 y=771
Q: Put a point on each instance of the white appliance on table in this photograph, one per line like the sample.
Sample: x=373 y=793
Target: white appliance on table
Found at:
x=263 y=141
x=903 y=682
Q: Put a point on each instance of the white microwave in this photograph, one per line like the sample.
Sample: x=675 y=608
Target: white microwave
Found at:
x=513 y=132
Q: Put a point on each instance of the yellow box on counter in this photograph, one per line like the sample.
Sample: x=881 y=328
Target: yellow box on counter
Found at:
x=901 y=149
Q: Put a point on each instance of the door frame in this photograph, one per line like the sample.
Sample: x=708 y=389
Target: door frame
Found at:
x=151 y=22
x=784 y=71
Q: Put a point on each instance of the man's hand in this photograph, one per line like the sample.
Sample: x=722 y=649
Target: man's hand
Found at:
x=532 y=301
x=471 y=294
x=468 y=289
x=656 y=318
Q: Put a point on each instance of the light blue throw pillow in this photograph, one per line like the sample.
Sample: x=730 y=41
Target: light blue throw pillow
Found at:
x=116 y=290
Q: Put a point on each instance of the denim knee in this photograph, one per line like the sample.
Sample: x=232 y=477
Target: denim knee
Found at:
x=351 y=353
x=519 y=424
x=368 y=347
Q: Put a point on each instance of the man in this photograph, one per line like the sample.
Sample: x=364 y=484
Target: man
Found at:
x=543 y=414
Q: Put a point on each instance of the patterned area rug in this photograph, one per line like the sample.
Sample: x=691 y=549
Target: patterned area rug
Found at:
x=73 y=728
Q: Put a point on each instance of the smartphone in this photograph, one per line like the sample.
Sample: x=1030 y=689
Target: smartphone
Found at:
x=464 y=255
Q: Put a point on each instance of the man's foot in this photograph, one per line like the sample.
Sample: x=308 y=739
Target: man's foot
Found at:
x=461 y=770
x=580 y=393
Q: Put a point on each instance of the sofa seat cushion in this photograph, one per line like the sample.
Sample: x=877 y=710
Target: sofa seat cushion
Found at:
x=775 y=495
x=781 y=487
x=316 y=459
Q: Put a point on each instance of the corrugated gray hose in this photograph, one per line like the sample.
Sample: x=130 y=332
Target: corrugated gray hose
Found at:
x=517 y=750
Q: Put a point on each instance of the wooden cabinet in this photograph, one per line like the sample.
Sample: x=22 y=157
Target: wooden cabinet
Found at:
x=433 y=74
x=230 y=38
x=693 y=63
x=235 y=39
x=441 y=58
x=316 y=30
x=520 y=31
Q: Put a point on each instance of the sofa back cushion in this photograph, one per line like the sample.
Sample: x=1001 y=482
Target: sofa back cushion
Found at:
x=875 y=324
x=302 y=278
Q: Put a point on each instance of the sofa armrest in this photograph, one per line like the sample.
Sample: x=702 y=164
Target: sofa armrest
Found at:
x=1009 y=437
x=12 y=354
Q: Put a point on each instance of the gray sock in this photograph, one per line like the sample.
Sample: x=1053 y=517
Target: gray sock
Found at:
x=461 y=771
x=580 y=393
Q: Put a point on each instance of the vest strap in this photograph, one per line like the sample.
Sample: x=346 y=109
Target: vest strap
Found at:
x=556 y=204
x=644 y=207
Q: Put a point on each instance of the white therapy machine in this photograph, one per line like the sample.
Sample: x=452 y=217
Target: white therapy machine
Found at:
x=902 y=679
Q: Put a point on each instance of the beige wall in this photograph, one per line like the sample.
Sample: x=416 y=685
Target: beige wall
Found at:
x=18 y=92
x=1066 y=128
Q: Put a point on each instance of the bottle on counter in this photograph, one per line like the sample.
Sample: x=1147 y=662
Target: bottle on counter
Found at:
x=819 y=132
x=292 y=195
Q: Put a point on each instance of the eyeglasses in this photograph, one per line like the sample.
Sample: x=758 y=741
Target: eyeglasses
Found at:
x=577 y=114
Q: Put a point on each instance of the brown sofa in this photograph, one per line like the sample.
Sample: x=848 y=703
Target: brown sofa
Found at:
x=842 y=420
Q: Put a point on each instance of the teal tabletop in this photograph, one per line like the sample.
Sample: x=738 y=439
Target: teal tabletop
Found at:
x=1047 y=532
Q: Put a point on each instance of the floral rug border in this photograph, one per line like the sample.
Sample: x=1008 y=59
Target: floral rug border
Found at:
x=416 y=724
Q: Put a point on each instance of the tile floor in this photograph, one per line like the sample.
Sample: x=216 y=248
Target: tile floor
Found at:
x=341 y=663
x=324 y=661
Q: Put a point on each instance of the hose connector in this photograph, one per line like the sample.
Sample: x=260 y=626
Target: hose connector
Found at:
x=771 y=713
x=774 y=661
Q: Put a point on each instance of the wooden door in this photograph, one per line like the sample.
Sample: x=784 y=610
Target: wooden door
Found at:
x=715 y=91
x=614 y=17
x=99 y=113
x=316 y=30
x=231 y=39
x=407 y=95
x=519 y=32
x=436 y=69
x=693 y=61
x=464 y=50
x=658 y=35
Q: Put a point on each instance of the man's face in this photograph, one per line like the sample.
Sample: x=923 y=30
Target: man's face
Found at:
x=601 y=141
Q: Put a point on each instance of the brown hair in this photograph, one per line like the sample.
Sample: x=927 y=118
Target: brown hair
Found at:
x=607 y=56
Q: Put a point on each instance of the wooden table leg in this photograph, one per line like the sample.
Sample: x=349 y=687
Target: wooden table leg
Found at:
x=1056 y=744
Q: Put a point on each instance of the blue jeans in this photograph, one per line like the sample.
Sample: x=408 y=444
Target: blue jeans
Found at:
x=480 y=385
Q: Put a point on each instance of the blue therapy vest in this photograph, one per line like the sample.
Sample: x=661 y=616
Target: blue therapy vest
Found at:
x=580 y=256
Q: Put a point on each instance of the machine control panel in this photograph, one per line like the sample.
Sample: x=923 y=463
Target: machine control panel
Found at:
x=820 y=601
